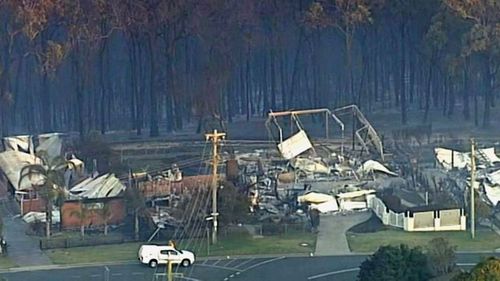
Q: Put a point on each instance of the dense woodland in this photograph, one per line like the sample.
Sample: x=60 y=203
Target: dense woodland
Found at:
x=155 y=65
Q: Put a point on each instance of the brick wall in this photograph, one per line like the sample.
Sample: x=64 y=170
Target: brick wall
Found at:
x=164 y=187
x=32 y=205
x=70 y=220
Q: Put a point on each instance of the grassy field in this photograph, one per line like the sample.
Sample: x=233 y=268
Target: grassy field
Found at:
x=105 y=253
x=233 y=245
x=5 y=262
x=486 y=240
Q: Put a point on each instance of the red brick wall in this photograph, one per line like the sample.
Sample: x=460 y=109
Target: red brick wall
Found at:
x=71 y=221
x=163 y=187
x=32 y=205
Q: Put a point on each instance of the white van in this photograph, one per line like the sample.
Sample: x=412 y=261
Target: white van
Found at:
x=153 y=255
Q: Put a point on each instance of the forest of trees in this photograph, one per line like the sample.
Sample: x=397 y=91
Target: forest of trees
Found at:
x=154 y=65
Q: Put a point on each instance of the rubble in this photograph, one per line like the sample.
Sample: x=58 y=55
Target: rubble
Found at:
x=314 y=197
x=372 y=166
x=295 y=145
x=32 y=217
x=107 y=185
x=326 y=177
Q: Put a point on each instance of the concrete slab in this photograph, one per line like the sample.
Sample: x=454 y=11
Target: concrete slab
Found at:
x=332 y=228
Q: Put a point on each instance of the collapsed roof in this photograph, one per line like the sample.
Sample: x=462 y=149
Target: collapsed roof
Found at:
x=50 y=143
x=371 y=166
x=450 y=159
x=460 y=160
x=12 y=162
x=492 y=193
x=20 y=152
x=310 y=166
x=295 y=145
x=107 y=185
x=32 y=217
x=315 y=197
x=19 y=143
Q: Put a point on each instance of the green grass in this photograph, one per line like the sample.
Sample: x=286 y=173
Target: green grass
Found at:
x=5 y=263
x=240 y=244
x=246 y=245
x=370 y=242
x=104 y=253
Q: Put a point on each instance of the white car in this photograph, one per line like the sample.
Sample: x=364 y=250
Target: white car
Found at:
x=153 y=255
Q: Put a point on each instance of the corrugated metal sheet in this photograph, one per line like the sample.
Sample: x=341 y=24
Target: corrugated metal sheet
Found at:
x=51 y=144
x=104 y=186
x=12 y=162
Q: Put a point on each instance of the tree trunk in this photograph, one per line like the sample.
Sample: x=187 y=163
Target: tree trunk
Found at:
x=283 y=78
x=169 y=91
x=133 y=83
x=153 y=106
x=77 y=74
x=247 y=88
x=487 y=93
x=45 y=93
x=102 y=90
x=466 y=90
x=428 y=91
x=265 y=87
x=451 y=97
x=295 y=71
x=402 y=76
x=348 y=48
x=412 y=77
x=273 y=78
x=140 y=87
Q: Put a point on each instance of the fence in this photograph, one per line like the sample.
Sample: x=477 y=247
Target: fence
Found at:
x=57 y=243
x=425 y=220
x=387 y=216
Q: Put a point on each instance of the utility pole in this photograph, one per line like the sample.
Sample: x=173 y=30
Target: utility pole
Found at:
x=215 y=137
x=169 y=270
x=169 y=262
x=472 y=183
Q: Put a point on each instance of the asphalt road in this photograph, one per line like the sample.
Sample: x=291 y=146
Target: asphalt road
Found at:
x=337 y=268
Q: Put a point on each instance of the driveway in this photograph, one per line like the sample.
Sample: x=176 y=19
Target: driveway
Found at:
x=332 y=228
x=23 y=250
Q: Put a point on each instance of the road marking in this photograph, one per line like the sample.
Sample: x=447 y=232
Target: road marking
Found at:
x=264 y=262
x=215 y=263
x=76 y=276
x=116 y=274
x=95 y=275
x=231 y=276
x=225 y=279
x=356 y=269
x=188 y=278
x=244 y=262
x=332 y=273
x=230 y=262
x=217 y=266
x=137 y=273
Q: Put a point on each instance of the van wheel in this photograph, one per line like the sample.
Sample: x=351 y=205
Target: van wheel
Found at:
x=186 y=263
x=153 y=263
